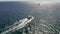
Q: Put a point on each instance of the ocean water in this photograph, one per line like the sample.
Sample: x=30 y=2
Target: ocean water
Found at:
x=47 y=17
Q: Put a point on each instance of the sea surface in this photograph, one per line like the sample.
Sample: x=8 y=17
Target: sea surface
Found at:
x=46 y=17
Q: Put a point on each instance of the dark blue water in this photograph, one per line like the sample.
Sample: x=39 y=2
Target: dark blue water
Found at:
x=12 y=11
x=45 y=22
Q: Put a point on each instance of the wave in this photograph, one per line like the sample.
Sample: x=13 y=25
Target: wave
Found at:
x=17 y=25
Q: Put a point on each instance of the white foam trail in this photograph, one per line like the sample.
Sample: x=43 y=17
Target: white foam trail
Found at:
x=18 y=25
x=23 y=24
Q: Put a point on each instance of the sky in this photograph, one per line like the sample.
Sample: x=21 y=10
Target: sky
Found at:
x=36 y=1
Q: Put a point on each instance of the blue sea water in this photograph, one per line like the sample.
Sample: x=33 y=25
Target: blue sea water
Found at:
x=45 y=22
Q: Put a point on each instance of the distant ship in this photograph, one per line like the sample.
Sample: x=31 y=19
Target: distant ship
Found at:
x=21 y=23
x=38 y=4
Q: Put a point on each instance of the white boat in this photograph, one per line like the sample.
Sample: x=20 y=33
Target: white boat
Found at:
x=20 y=24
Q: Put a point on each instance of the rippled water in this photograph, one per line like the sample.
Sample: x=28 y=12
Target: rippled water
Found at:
x=47 y=18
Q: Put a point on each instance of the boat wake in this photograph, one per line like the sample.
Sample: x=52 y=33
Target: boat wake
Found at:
x=18 y=25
